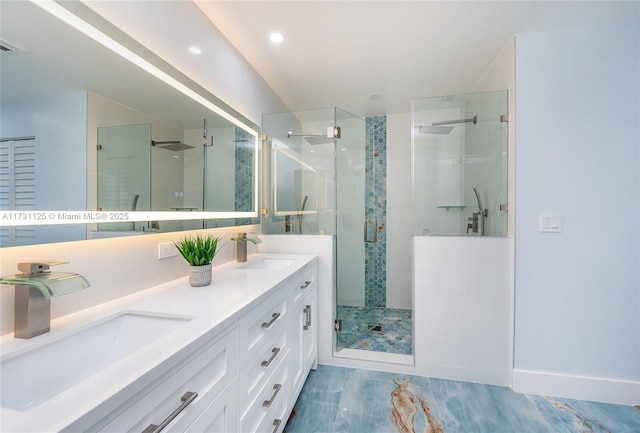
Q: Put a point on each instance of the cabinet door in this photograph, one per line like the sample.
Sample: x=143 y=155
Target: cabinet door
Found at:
x=220 y=416
x=310 y=332
x=304 y=341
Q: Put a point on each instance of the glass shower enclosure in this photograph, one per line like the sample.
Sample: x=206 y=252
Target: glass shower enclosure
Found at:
x=460 y=165
x=325 y=173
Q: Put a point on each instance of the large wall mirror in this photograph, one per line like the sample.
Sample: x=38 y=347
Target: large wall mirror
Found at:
x=93 y=145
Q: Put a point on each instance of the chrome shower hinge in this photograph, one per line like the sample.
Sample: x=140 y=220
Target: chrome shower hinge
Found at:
x=337 y=325
x=334 y=132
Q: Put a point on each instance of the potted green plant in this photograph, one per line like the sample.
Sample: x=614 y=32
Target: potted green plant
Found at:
x=199 y=252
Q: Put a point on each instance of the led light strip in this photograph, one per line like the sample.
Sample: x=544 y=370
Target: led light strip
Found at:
x=73 y=20
x=60 y=217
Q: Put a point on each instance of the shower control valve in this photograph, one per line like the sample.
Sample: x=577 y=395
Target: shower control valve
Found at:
x=473 y=222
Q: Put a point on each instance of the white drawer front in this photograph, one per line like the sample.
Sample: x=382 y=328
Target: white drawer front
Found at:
x=207 y=375
x=275 y=420
x=262 y=365
x=303 y=285
x=269 y=399
x=261 y=324
x=220 y=416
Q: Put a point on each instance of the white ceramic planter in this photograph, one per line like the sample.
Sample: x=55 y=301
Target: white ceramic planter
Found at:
x=200 y=275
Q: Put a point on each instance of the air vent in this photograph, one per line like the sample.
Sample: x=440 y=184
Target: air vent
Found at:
x=7 y=47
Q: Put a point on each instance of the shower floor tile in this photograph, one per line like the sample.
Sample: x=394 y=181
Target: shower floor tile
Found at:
x=338 y=399
x=376 y=329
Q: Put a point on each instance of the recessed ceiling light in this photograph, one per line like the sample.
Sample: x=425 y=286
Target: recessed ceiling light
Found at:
x=276 y=37
x=195 y=50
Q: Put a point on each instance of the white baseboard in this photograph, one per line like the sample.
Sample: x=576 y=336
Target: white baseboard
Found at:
x=577 y=387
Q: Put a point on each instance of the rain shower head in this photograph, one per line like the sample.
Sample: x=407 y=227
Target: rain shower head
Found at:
x=318 y=139
x=443 y=130
x=175 y=145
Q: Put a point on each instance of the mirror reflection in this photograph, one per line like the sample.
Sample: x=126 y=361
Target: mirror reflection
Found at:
x=105 y=134
x=296 y=185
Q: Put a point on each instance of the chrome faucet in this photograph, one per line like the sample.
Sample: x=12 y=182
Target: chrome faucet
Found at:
x=34 y=288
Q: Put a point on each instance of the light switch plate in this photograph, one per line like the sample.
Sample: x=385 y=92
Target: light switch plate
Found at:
x=550 y=223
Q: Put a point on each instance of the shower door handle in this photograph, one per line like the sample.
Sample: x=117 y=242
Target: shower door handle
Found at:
x=371 y=230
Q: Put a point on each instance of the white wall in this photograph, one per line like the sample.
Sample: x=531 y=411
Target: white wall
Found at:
x=399 y=249
x=577 y=330
x=463 y=294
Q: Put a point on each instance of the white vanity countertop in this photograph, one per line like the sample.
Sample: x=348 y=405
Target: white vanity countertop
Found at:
x=213 y=309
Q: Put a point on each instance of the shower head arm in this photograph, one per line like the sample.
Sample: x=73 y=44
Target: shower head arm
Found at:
x=473 y=120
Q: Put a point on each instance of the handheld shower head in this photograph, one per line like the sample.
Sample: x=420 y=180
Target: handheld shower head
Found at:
x=475 y=190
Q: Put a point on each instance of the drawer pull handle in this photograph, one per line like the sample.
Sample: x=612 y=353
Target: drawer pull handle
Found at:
x=186 y=400
x=276 y=423
x=274 y=317
x=305 y=285
x=267 y=403
x=307 y=312
x=274 y=353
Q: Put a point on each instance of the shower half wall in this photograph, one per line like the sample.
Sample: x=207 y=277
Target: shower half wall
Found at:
x=463 y=280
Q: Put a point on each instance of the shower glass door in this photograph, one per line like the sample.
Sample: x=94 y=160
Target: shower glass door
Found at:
x=355 y=228
x=322 y=183
x=124 y=168
x=460 y=165
x=373 y=305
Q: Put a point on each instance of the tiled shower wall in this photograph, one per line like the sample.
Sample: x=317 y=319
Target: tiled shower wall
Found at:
x=244 y=174
x=376 y=209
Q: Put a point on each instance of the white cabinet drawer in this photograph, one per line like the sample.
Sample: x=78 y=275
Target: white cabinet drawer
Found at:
x=220 y=416
x=268 y=401
x=207 y=374
x=305 y=283
x=275 y=420
x=262 y=365
x=261 y=324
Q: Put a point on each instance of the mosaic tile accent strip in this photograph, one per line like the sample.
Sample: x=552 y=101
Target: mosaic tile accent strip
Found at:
x=376 y=329
x=376 y=209
x=244 y=174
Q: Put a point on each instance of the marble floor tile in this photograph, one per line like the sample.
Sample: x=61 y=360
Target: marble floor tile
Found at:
x=317 y=405
x=346 y=400
x=576 y=416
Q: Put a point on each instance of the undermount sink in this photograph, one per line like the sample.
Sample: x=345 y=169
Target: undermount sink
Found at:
x=267 y=263
x=32 y=377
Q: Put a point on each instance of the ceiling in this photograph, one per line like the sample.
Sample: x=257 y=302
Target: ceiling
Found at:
x=374 y=57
